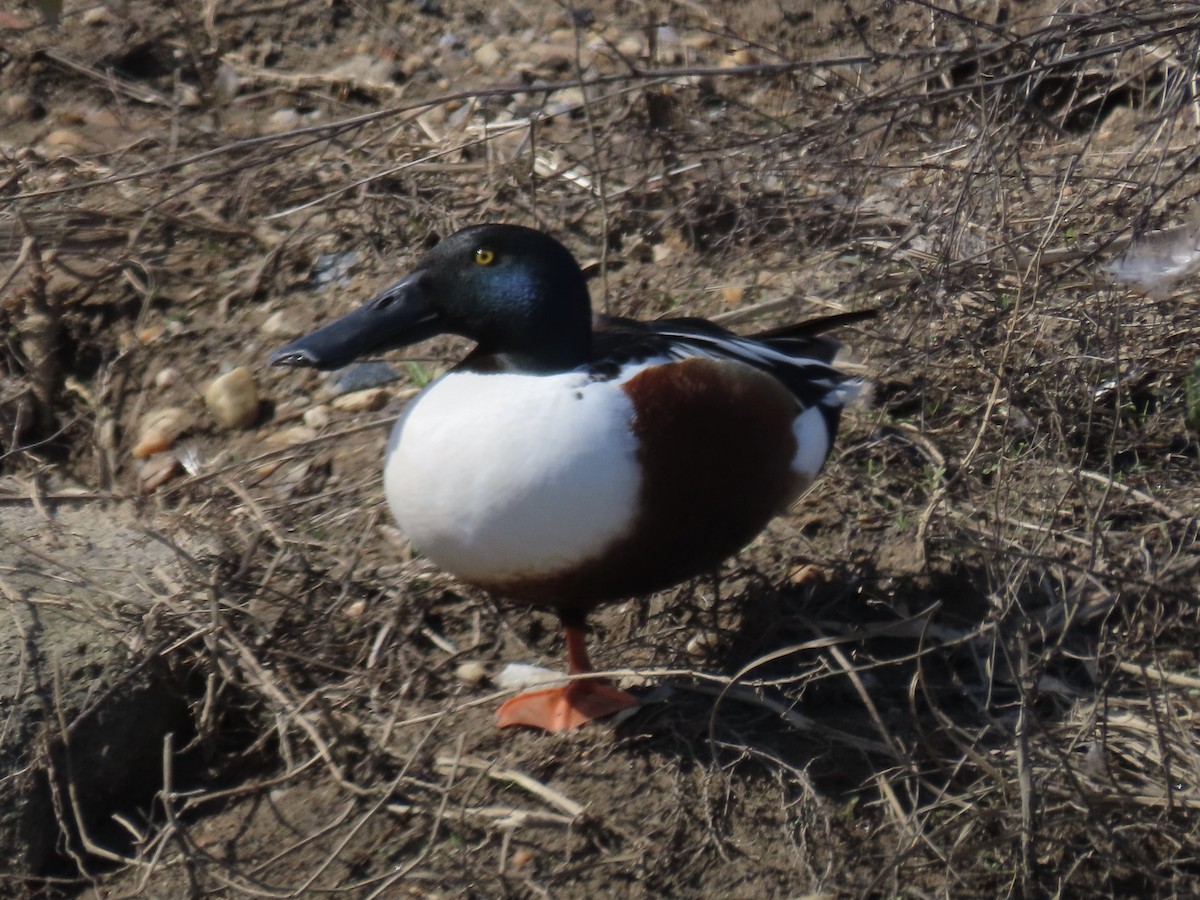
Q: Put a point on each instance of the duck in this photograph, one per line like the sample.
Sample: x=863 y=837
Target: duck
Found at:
x=570 y=459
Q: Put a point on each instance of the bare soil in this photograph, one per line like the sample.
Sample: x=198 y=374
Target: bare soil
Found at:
x=964 y=665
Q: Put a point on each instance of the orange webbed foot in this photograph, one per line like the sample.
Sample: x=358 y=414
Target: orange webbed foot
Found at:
x=564 y=708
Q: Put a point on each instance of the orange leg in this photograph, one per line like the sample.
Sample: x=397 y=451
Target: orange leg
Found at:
x=575 y=703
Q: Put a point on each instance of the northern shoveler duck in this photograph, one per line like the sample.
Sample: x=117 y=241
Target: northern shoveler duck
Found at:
x=566 y=462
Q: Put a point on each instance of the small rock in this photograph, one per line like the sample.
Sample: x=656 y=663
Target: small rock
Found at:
x=297 y=434
x=631 y=46
x=703 y=644
x=62 y=142
x=158 y=471
x=367 y=68
x=742 y=57
x=699 y=40
x=523 y=675
x=160 y=429
x=316 y=416
x=488 y=55
x=165 y=378
x=413 y=63
x=355 y=609
x=233 y=399
x=19 y=105
x=226 y=84
x=97 y=15
x=282 y=120
x=280 y=323
x=807 y=574
x=363 y=401
x=471 y=673
x=520 y=858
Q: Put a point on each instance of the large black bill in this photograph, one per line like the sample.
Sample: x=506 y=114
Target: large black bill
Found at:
x=395 y=317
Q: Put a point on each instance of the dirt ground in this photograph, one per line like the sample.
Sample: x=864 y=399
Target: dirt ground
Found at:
x=964 y=665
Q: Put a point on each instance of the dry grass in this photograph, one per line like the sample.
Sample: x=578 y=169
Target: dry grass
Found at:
x=992 y=688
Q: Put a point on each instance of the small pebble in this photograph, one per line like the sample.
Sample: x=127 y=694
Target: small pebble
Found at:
x=488 y=55
x=807 y=574
x=520 y=859
x=19 y=105
x=363 y=401
x=297 y=434
x=317 y=416
x=471 y=673
x=160 y=429
x=159 y=470
x=282 y=120
x=62 y=142
x=522 y=675
x=742 y=57
x=279 y=323
x=166 y=378
x=233 y=399
x=703 y=644
x=355 y=609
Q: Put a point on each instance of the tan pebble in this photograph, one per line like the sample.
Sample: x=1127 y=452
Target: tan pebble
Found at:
x=413 y=63
x=807 y=574
x=733 y=296
x=317 y=416
x=703 y=644
x=280 y=323
x=488 y=55
x=160 y=429
x=233 y=399
x=159 y=470
x=471 y=673
x=699 y=40
x=166 y=378
x=150 y=334
x=630 y=46
x=355 y=609
x=551 y=56
x=520 y=858
x=102 y=118
x=282 y=120
x=63 y=140
x=297 y=434
x=571 y=96
x=18 y=105
x=363 y=401
x=743 y=57
x=97 y=15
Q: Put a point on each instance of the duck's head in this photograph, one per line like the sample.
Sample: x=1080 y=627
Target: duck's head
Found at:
x=514 y=290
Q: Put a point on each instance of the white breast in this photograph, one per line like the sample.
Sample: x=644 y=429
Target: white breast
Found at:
x=497 y=476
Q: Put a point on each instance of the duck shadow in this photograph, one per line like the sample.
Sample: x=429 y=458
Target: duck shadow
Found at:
x=843 y=678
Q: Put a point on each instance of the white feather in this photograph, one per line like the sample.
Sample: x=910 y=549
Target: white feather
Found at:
x=812 y=443
x=1157 y=261
x=496 y=476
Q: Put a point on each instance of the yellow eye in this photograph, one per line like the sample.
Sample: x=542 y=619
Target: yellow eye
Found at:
x=484 y=256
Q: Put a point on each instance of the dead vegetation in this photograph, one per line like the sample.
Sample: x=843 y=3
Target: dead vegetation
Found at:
x=966 y=665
